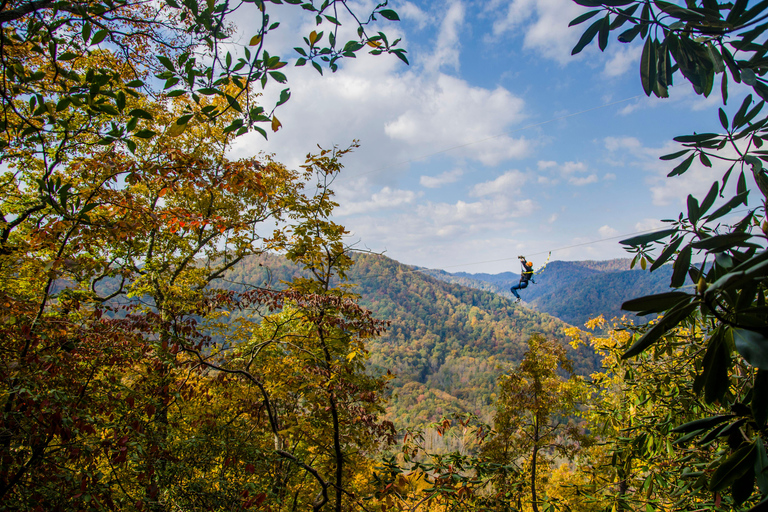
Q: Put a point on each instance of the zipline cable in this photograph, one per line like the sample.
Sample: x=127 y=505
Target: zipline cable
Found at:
x=549 y=251
x=410 y=271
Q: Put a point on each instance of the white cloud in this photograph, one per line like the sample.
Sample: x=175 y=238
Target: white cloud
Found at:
x=552 y=218
x=546 y=164
x=592 y=178
x=448 y=112
x=609 y=176
x=384 y=199
x=441 y=179
x=545 y=26
x=448 y=42
x=570 y=171
x=569 y=168
x=411 y=12
x=508 y=183
x=496 y=211
x=649 y=224
x=607 y=232
x=665 y=190
x=623 y=58
x=622 y=143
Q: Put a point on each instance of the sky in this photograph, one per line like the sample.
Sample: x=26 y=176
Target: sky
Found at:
x=494 y=142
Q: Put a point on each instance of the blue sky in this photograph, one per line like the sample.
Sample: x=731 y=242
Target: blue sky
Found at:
x=495 y=141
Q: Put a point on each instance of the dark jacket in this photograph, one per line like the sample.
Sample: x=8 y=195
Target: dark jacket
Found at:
x=527 y=272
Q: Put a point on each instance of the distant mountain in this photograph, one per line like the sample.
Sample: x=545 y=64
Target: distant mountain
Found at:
x=446 y=344
x=573 y=291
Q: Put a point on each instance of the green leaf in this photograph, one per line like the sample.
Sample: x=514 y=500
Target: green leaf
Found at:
x=733 y=467
x=656 y=303
x=759 y=406
x=761 y=464
x=86 y=32
x=144 y=134
x=713 y=378
x=400 y=55
x=143 y=114
x=587 y=36
x=693 y=209
x=696 y=138
x=723 y=119
x=702 y=424
x=581 y=19
x=352 y=46
x=165 y=61
x=672 y=156
x=99 y=36
x=680 y=268
x=682 y=166
x=285 y=95
x=648 y=64
x=390 y=14
x=722 y=242
x=233 y=103
x=648 y=238
x=748 y=76
x=629 y=35
x=738 y=119
x=678 y=12
x=753 y=347
x=709 y=200
x=602 y=38
x=667 y=322
x=667 y=253
x=729 y=206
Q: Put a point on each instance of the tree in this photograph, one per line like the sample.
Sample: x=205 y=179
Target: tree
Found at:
x=71 y=68
x=639 y=460
x=116 y=335
x=532 y=419
x=726 y=309
x=119 y=213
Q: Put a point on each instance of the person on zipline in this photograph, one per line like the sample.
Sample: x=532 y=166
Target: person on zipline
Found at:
x=525 y=275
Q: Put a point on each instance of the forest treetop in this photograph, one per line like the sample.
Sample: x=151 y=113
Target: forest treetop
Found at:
x=67 y=61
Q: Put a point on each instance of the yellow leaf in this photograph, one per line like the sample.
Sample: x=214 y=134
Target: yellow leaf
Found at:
x=313 y=37
x=374 y=44
x=275 y=124
x=176 y=129
x=255 y=40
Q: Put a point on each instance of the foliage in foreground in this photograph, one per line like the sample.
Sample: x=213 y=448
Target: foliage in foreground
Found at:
x=720 y=260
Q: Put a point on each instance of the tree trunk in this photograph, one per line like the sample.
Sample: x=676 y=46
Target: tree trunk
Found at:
x=534 y=499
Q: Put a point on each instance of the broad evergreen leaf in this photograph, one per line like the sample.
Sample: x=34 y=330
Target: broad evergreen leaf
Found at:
x=733 y=467
x=753 y=347
x=656 y=303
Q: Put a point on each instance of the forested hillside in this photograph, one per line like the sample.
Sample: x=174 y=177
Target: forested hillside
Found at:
x=573 y=291
x=446 y=343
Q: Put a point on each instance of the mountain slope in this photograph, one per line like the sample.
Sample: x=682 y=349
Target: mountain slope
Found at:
x=574 y=291
x=446 y=343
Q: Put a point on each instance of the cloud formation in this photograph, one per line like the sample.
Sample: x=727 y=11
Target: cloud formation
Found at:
x=544 y=24
x=441 y=179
